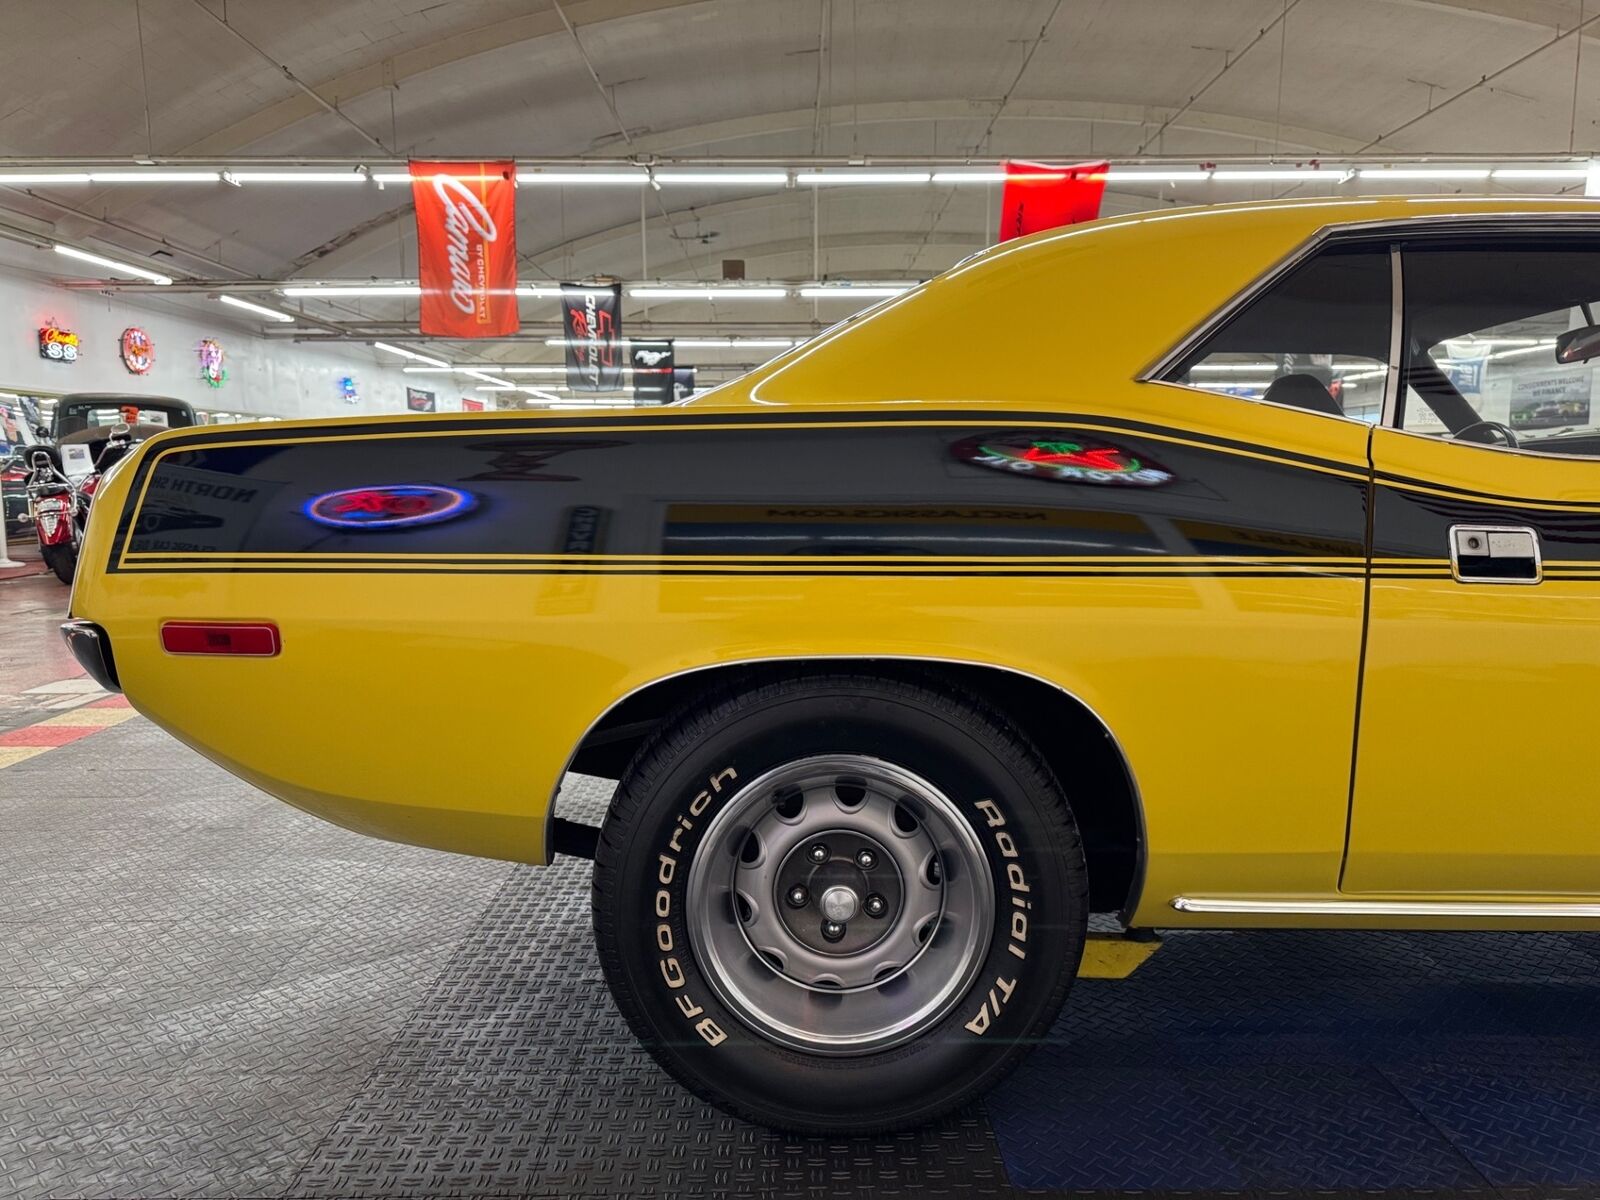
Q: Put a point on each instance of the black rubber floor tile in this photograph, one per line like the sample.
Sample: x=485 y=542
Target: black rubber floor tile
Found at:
x=1534 y=1125
x=437 y=1134
x=1062 y=1126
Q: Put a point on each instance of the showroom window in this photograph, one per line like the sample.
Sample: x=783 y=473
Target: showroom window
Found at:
x=1317 y=339
x=1502 y=344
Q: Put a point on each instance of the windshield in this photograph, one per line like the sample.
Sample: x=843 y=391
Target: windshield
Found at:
x=74 y=416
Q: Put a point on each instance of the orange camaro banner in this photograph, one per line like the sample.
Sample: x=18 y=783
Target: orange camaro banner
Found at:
x=467 y=247
x=1038 y=196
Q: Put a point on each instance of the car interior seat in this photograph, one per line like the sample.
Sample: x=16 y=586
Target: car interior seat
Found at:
x=1303 y=391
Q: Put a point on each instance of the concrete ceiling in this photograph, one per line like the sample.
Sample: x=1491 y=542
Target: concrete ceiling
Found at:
x=1054 y=79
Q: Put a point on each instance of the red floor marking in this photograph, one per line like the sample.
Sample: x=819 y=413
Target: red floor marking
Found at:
x=46 y=735
x=111 y=702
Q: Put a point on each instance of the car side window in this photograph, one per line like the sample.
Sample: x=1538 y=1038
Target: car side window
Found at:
x=1495 y=345
x=1318 y=338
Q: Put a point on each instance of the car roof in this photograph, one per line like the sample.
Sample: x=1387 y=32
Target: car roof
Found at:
x=1099 y=301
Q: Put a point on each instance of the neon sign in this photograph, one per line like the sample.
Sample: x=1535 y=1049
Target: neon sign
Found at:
x=138 y=350
x=57 y=344
x=212 y=369
x=1061 y=456
x=393 y=507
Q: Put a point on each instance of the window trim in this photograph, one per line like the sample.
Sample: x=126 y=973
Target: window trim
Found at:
x=1392 y=230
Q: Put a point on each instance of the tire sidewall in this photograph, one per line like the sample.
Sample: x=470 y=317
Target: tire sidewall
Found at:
x=1039 y=908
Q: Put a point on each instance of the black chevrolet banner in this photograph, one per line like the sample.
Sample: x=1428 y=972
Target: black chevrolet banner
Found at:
x=592 y=317
x=652 y=371
x=682 y=383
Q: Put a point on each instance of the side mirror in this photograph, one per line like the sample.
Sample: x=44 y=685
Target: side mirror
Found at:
x=1578 y=345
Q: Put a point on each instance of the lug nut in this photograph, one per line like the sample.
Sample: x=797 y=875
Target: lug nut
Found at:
x=866 y=859
x=833 y=930
x=818 y=853
x=798 y=896
x=875 y=905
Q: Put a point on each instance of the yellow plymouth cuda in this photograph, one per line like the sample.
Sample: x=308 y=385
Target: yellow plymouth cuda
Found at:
x=1223 y=567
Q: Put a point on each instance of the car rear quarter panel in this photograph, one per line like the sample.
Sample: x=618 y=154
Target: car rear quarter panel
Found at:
x=433 y=694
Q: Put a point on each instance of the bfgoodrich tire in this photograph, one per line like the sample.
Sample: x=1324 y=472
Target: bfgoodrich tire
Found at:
x=839 y=902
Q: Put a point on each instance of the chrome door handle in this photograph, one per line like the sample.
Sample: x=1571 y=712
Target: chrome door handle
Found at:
x=1495 y=554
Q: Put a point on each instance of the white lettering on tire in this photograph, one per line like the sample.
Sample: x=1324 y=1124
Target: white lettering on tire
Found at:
x=999 y=993
x=666 y=872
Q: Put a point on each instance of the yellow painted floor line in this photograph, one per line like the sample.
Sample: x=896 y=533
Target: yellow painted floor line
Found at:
x=1112 y=956
x=10 y=756
x=86 y=717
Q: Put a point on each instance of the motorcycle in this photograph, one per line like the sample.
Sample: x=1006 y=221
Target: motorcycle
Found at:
x=59 y=505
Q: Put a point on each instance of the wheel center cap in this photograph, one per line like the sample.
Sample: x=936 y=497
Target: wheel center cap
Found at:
x=839 y=903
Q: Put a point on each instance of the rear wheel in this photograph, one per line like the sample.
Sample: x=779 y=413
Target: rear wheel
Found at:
x=839 y=902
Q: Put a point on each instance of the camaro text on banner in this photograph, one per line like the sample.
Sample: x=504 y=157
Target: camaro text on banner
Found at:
x=592 y=316
x=467 y=247
x=1038 y=196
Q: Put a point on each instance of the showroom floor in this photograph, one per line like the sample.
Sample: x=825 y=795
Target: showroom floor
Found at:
x=204 y=992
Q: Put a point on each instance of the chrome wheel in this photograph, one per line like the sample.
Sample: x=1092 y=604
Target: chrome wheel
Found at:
x=840 y=904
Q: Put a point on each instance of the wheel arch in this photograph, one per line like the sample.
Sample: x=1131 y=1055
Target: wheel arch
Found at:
x=1089 y=760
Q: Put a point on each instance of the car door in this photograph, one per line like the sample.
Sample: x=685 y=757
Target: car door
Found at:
x=1476 y=766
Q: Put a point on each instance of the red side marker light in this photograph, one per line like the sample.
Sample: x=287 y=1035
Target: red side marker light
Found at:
x=254 y=639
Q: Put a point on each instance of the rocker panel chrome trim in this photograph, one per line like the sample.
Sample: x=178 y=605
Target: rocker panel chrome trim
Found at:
x=1385 y=908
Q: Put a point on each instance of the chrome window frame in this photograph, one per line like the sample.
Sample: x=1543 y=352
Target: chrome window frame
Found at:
x=1390 y=229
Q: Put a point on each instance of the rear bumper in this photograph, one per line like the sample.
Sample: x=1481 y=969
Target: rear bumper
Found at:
x=92 y=648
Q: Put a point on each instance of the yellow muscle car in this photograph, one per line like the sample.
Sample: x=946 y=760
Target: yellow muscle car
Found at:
x=1211 y=568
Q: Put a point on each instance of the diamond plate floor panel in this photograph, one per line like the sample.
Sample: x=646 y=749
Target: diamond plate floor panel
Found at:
x=206 y=993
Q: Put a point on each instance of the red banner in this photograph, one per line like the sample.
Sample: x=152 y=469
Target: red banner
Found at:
x=467 y=247
x=1043 y=197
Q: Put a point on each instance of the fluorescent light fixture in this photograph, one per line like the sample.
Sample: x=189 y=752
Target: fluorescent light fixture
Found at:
x=111 y=264
x=1202 y=367
x=551 y=370
x=702 y=343
x=1539 y=172
x=541 y=293
x=731 y=178
x=852 y=292
x=487 y=378
x=494 y=387
x=1425 y=172
x=830 y=177
x=270 y=314
x=18 y=178
x=1521 y=350
x=391 y=177
x=1133 y=175
x=442 y=370
x=708 y=293
x=155 y=175
x=969 y=177
x=412 y=354
x=582 y=177
x=297 y=176
x=1281 y=174
x=355 y=289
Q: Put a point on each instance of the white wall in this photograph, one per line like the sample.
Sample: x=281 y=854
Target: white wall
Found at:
x=276 y=378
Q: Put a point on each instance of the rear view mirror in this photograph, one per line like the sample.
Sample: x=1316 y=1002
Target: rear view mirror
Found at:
x=1578 y=345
